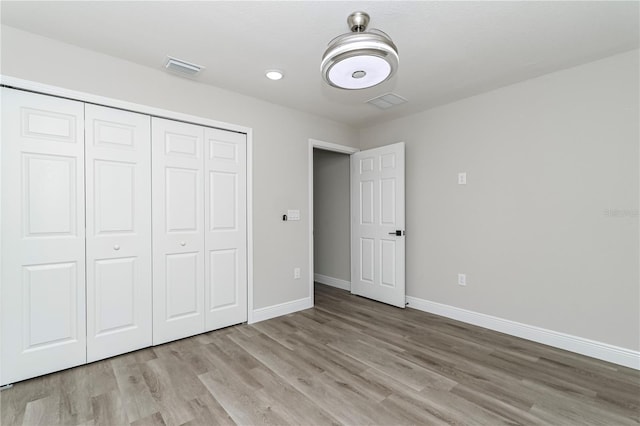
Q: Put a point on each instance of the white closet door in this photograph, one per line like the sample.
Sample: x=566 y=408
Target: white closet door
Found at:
x=226 y=228
x=178 y=230
x=118 y=182
x=43 y=254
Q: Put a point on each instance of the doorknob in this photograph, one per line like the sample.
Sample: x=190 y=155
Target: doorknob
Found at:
x=116 y=247
x=397 y=233
x=182 y=243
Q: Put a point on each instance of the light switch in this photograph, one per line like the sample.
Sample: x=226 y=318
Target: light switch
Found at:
x=293 y=214
x=462 y=279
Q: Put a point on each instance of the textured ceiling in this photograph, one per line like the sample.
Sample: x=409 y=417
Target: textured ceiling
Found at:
x=448 y=50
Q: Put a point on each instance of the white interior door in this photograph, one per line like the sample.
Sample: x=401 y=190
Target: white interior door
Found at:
x=377 y=232
x=226 y=228
x=178 y=229
x=43 y=236
x=118 y=192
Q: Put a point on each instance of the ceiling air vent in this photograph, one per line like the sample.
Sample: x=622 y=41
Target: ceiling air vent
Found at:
x=387 y=101
x=181 y=67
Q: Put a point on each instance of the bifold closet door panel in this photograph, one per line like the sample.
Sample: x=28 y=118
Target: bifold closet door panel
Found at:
x=43 y=236
x=226 y=228
x=118 y=197
x=178 y=229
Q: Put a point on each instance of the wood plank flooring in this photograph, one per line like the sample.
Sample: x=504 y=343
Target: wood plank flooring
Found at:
x=350 y=361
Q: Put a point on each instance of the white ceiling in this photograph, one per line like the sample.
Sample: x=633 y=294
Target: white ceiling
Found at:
x=448 y=50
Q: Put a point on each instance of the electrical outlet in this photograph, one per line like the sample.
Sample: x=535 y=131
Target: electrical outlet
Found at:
x=296 y=273
x=462 y=279
x=462 y=178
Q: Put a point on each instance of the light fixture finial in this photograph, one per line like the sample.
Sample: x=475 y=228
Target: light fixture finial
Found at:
x=358 y=21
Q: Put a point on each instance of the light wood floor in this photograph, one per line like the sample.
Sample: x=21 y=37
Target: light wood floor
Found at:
x=347 y=361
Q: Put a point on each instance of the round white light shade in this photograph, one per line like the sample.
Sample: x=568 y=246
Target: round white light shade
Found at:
x=359 y=60
x=274 y=74
x=345 y=73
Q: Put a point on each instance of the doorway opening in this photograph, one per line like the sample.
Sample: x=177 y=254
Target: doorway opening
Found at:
x=330 y=213
x=376 y=244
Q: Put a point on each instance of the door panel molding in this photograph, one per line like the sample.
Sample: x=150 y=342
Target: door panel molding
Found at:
x=178 y=229
x=226 y=228
x=118 y=242
x=43 y=255
x=377 y=208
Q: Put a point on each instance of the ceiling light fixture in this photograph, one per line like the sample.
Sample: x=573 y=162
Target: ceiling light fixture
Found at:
x=274 y=74
x=359 y=59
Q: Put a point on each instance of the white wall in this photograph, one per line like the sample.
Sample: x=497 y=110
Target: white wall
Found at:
x=547 y=227
x=280 y=142
x=331 y=205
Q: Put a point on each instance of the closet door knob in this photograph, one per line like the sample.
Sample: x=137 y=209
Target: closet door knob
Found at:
x=116 y=247
x=182 y=243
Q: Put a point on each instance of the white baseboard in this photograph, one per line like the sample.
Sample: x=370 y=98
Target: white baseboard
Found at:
x=269 y=312
x=333 y=282
x=604 y=351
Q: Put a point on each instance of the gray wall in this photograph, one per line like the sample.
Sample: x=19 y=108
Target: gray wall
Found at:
x=280 y=142
x=331 y=212
x=547 y=227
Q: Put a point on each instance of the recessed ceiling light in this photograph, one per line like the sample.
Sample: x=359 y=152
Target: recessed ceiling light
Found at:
x=274 y=74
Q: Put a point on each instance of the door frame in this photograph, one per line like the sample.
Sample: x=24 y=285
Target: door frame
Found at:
x=326 y=146
x=46 y=89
